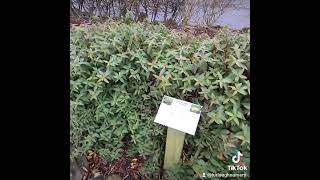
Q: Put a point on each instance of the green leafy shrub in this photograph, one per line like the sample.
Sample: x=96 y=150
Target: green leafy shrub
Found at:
x=119 y=74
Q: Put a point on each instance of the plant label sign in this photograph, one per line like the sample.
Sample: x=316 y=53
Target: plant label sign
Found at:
x=178 y=114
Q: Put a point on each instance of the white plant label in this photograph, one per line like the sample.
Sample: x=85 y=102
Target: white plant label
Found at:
x=178 y=114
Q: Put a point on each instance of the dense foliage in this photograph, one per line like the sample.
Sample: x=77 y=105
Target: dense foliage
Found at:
x=119 y=74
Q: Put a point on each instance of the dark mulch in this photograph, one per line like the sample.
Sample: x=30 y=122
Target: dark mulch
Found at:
x=124 y=167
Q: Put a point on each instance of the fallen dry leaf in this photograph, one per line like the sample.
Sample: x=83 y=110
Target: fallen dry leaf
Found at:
x=221 y=157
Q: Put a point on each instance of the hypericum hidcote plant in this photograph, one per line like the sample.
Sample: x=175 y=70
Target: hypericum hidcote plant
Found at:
x=119 y=74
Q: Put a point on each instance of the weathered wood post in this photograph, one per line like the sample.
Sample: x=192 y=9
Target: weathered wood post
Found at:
x=174 y=146
x=180 y=117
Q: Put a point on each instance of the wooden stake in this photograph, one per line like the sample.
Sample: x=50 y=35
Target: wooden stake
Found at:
x=174 y=145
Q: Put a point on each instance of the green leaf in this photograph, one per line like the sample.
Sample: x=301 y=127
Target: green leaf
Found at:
x=236 y=121
x=242 y=90
x=240 y=115
x=246 y=105
x=215 y=163
x=162 y=71
x=229 y=113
